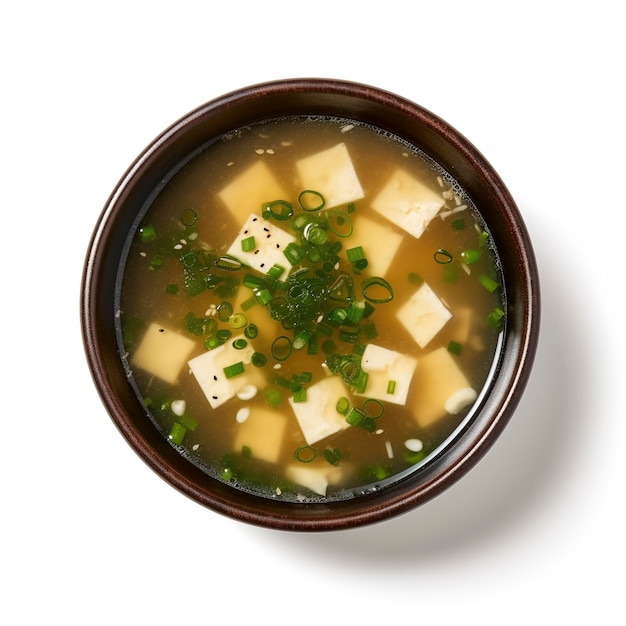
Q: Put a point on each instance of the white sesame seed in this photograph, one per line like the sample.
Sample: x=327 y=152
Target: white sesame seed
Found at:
x=242 y=414
x=178 y=407
x=414 y=445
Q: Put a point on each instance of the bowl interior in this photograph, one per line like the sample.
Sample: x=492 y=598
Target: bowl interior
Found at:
x=310 y=97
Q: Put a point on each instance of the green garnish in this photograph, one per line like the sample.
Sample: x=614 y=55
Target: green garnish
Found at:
x=236 y=369
x=470 y=256
x=454 y=347
x=278 y=210
x=442 y=256
x=147 y=233
x=177 y=433
x=488 y=283
x=310 y=200
x=248 y=244
x=305 y=454
x=391 y=387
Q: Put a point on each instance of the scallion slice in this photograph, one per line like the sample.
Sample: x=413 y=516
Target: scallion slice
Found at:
x=277 y=209
x=310 y=200
x=377 y=290
x=248 y=244
x=235 y=369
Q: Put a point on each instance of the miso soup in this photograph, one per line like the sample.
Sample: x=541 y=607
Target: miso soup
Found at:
x=310 y=308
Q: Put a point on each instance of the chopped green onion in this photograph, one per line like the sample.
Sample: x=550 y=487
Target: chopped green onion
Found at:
x=228 y=263
x=332 y=456
x=281 y=348
x=213 y=342
x=251 y=331
x=237 y=320
x=239 y=344
x=343 y=405
x=458 y=224
x=248 y=244
x=354 y=417
x=263 y=295
x=310 y=200
x=315 y=234
x=494 y=318
x=300 y=395
x=470 y=256
x=301 y=339
x=276 y=271
x=357 y=258
x=258 y=359
x=147 y=233
x=236 y=369
x=189 y=217
x=370 y=330
x=356 y=311
x=442 y=256
x=278 y=209
x=293 y=253
x=329 y=346
x=488 y=283
x=177 y=433
x=224 y=311
x=247 y=304
x=305 y=377
x=391 y=387
x=188 y=422
x=272 y=397
x=340 y=223
x=171 y=289
x=305 y=454
x=415 y=279
x=224 y=334
x=373 y=413
x=450 y=273
x=375 y=284
x=454 y=347
x=368 y=424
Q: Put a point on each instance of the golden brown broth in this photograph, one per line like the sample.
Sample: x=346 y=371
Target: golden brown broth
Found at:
x=374 y=156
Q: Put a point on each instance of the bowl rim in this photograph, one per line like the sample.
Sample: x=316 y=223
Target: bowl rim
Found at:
x=403 y=495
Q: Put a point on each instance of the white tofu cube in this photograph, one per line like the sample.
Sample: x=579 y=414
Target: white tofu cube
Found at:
x=382 y=366
x=269 y=244
x=439 y=388
x=250 y=190
x=380 y=244
x=408 y=203
x=423 y=315
x=332 y=174
x=208 y=369
x=316 y=479
x=163 y=352
x=263 y=432
x=317 y=415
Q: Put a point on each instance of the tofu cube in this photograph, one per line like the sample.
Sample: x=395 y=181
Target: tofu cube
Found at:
x=263 y=432
x=382 y=366
x=423 y=315
x=379 y=241
x=250 y=190
x=317 y=415
x=332 y=174
x=269 y=244
x=208 y=369
x=439 y=388
x=316 y=479
x=163 y=352
x=408 y=203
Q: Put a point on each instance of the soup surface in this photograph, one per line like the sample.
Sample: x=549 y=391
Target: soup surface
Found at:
x=310 y=308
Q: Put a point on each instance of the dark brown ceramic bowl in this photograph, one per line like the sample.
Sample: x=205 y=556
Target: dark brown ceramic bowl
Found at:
x=317 y=97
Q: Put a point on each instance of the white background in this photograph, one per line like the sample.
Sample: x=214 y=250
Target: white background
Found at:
x=533 y=534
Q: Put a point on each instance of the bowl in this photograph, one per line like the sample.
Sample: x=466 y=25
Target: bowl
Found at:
x=141 y=184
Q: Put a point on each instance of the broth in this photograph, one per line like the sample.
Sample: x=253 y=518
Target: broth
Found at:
x=310 y=308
